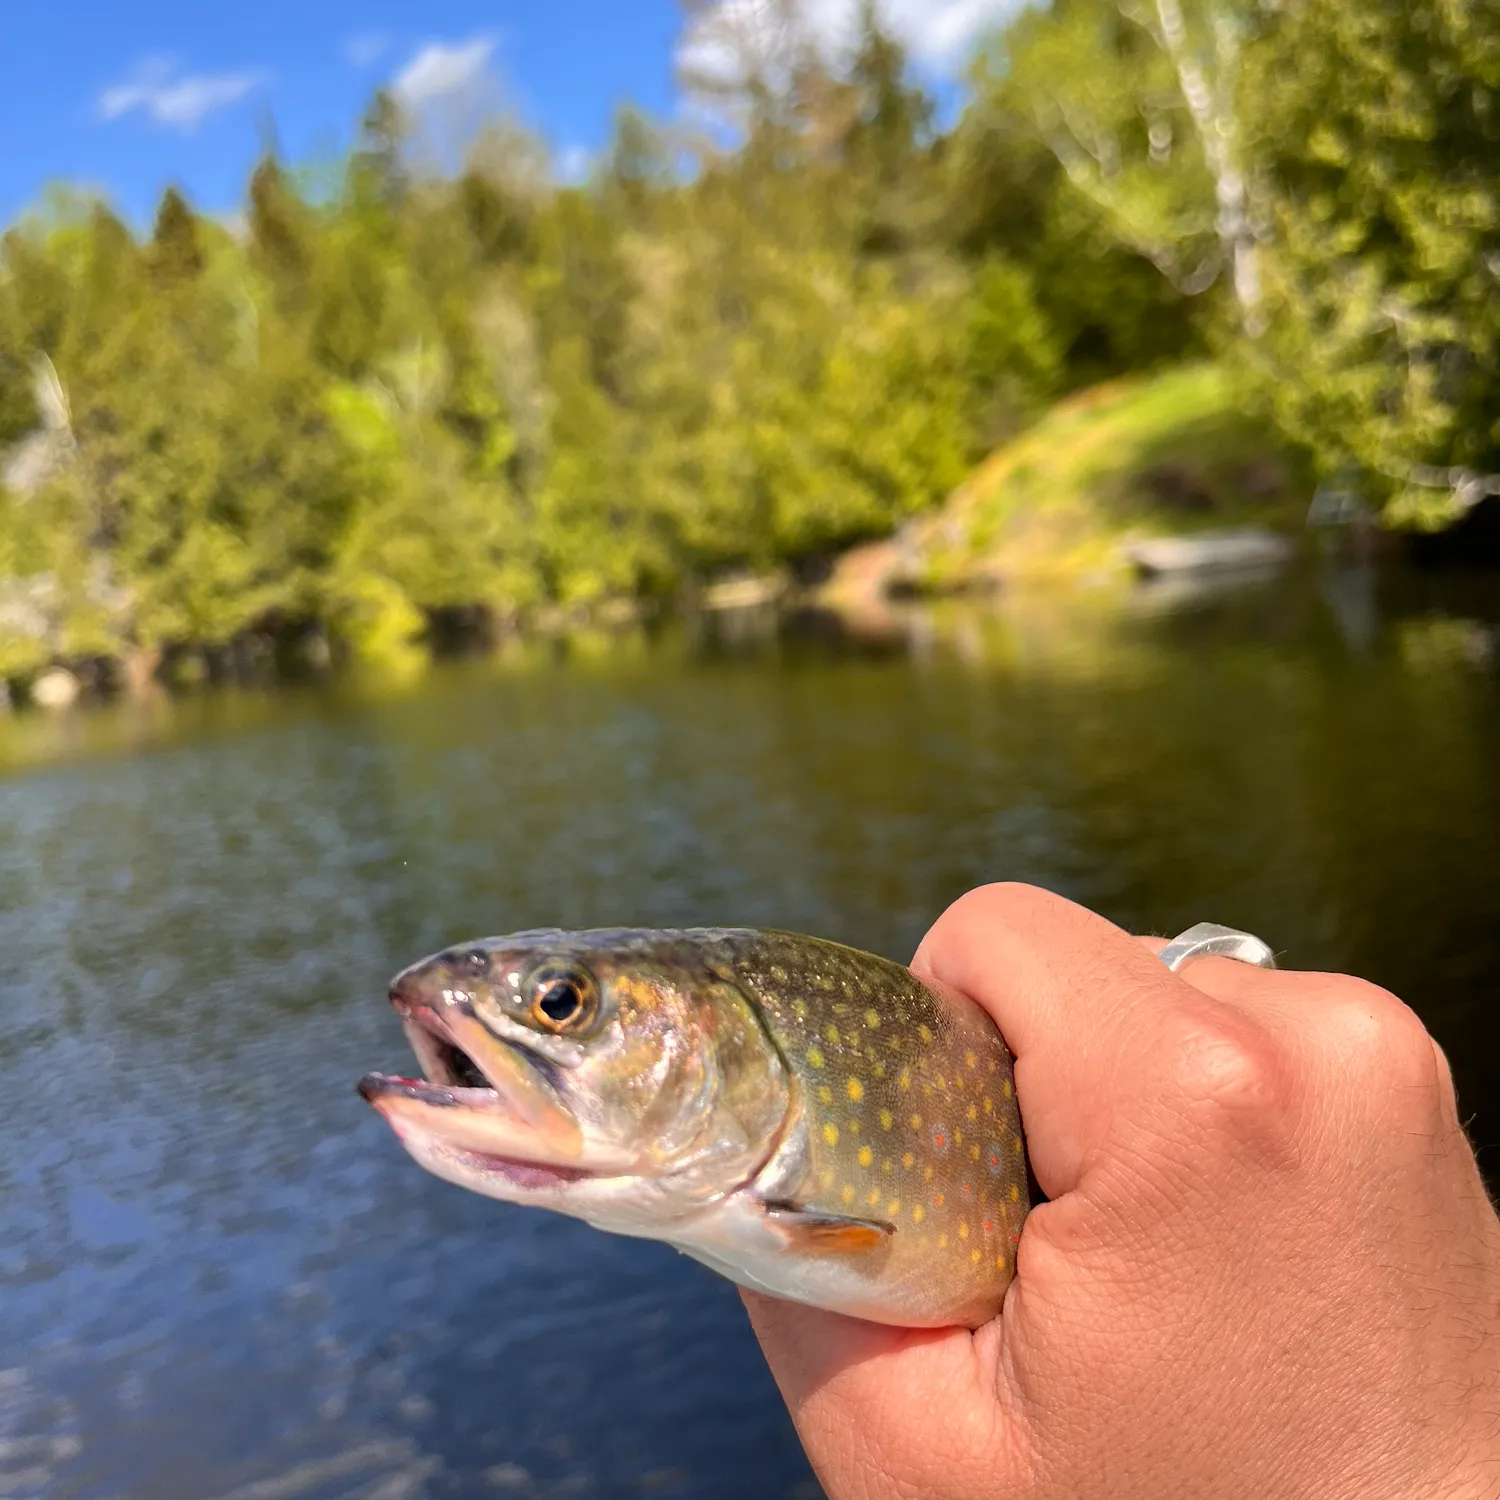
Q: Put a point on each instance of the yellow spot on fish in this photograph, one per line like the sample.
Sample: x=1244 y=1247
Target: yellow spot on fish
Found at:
x=974 y=1256
x=825 y=1178
x=916 y=1122
x=799 y=1009
x=963 y=1230
x=831 y=1133
x=958 y=1138
x=840 y=1009
x=832 y=1033
x=992 y=1065
x=873 y=1197
x=847 y=1192
x=970 y=1060
x=885 y=1166
x=942 y=1242
x=927 y=1173
x=999 y=1262
x=1015 y=1193
x=908 y=1160
x=989 y=1106
x=904 y=1078
x=853 y=1127
x=917 y=1214
x=815 y=1057
x=866 y=1156
x=856 y=1089
x=1018 y=1146
x=972 y=1113
x=974 y=1152
x=1006 y=1087
x=893 y=1208
x=825 y=1094
x=887 y=1119
x=779 y=975
x=872 y=1019
x=925 y=1032
x=880 y=1070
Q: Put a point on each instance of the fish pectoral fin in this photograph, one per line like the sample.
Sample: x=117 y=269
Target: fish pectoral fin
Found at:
x=817 y=1233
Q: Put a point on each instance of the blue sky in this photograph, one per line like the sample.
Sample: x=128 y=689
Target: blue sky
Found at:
x=128 y=98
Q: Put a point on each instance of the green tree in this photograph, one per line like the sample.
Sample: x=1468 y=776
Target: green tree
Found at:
x=1378 y=164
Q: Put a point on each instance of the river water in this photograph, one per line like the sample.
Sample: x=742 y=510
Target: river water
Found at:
x=220 y=1279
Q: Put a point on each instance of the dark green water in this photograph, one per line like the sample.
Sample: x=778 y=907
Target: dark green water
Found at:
x=219 y=1277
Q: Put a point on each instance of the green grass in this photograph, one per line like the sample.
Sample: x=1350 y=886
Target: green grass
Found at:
x=1152 y=456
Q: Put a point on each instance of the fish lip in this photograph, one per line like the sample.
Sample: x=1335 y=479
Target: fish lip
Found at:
x=515 y=1120
x=402 y=1102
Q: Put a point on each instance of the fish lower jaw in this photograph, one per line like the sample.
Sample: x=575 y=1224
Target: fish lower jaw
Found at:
x=510 y=1179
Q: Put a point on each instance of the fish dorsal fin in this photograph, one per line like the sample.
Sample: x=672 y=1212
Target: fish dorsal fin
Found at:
x=817 y=1233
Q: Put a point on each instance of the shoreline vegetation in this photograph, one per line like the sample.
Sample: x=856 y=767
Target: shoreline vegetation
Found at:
x=1168 y=270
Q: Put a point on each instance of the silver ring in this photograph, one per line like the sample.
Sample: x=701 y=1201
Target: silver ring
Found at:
x=1207 y=938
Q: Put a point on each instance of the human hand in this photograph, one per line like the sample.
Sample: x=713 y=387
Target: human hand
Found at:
x=1268 y=1266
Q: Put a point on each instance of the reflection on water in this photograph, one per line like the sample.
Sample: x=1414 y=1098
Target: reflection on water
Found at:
x=221 y=1278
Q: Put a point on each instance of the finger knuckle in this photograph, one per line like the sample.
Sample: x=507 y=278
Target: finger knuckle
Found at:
x=1368 y=1034
x=1224 y=1062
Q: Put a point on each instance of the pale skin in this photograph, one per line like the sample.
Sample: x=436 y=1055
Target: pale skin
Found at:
x=1268 y=1266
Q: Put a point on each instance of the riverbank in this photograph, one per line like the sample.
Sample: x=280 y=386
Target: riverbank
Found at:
x=1129 y=460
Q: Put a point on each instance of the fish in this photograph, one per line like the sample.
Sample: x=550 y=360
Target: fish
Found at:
x=813 y=1122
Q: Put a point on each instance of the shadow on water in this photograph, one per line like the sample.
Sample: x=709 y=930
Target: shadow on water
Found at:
x=222 y=1279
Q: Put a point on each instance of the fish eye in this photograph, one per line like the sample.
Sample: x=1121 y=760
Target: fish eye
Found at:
x=563 y=999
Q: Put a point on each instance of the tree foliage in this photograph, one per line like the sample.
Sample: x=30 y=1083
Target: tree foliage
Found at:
x=432 y=386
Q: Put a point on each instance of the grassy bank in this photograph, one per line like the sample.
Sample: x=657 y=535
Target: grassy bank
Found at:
x=1154 y=456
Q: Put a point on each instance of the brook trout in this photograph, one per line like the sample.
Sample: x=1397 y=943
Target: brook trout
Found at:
x=810 y=1121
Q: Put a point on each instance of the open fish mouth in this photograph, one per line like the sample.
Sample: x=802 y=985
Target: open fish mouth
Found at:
x=480 y=1104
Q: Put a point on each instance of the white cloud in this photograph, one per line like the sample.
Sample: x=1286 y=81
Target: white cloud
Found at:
x=940 y=33
x=365 y=48
x=442 y=71
x=177 y=100
x=573 y=165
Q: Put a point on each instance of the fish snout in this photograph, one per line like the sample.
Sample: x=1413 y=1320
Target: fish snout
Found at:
x=407 y=991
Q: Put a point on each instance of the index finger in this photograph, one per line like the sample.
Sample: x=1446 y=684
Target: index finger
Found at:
x=1081 y=1004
